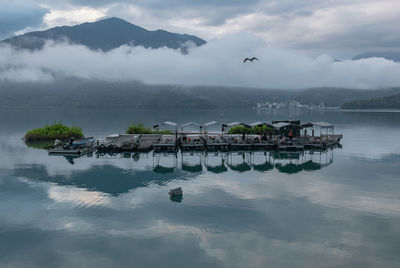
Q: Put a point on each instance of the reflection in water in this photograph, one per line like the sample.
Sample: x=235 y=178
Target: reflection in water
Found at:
x=154 y=168
x=287 y=210
x=176 y=198
x=219 y=162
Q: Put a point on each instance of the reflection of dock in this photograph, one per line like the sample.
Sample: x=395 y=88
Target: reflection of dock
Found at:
x=260 y=161
x=289 y=162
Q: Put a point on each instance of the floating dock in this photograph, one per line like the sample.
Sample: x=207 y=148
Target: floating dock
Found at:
x=282 y=136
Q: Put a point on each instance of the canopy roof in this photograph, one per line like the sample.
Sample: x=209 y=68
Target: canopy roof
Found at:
x=191 y=124
x=237 y=124
x=322 y=124
x=284 y=124
x=210 y=123
x=169 y=123
x=260 y=124
x=256 y=123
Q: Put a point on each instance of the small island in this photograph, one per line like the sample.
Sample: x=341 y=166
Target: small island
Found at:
x=53 y=132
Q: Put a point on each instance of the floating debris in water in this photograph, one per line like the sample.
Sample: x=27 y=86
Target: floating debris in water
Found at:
x=176 y=192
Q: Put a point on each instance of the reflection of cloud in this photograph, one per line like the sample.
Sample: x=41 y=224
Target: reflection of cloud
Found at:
x=357 y=141
x=79 y=197
x=329 y=193
x=263 y=218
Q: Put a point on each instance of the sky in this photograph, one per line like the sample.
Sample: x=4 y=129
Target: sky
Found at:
x=297 y=38
x=340 y=28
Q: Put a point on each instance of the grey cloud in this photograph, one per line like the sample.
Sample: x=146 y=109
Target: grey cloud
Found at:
x=210 y=12
x=160 y=4
x=358 y=38
x=293 y=6
x=351 y=31
x=15 y=16
x=219 y=62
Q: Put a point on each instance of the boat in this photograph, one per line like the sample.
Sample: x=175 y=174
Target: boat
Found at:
x=73 y=147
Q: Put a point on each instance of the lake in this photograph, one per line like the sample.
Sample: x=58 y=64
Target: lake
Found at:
x=339 y=208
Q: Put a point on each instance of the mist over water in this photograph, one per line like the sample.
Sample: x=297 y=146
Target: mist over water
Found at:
x=219 y=62
x=238 y=210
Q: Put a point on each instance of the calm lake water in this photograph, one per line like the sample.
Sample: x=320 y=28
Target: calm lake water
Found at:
x=339 y=208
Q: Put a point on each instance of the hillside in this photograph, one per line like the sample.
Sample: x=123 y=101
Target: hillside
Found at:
x=75 y=93
x=389 y=102
x=389 y=55
x=105 y=35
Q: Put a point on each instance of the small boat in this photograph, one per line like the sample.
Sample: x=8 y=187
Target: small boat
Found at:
x=72 y=147
x=176 y=192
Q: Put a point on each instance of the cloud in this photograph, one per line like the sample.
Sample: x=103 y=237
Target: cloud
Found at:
x=219 y=62
x=15 y=16
x=339 y=28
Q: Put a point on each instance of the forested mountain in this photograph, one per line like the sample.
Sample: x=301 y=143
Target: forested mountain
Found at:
x=105 y=34
x=389 y=102
x=389 y=55
x=73 y=93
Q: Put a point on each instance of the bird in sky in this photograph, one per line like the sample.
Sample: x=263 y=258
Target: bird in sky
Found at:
x=250 y=59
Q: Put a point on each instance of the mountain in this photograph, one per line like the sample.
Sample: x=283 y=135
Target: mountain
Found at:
x=389 y=55
x=81 y=93
x=389 y=102
x=105 y=35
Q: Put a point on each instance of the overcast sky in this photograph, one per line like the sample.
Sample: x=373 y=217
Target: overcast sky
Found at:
x=340 y=28
x=298 y=42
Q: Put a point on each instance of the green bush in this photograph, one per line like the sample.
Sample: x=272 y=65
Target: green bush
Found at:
x=262 y=130
x=138 y=129
x=255 y=130
x=56 y=131
x=141 y=129
x=239 y=130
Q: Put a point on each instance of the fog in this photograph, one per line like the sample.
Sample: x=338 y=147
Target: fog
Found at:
x=219 y=62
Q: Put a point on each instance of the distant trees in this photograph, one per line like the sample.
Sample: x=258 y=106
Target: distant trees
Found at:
x=390 y=102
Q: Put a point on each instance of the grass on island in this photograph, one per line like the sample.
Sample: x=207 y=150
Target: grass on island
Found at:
x=141 y=129
x=50 y=133
x=254 y=130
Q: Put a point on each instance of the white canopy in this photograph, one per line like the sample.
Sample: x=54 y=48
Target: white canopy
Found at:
x=169 y=123
x=281 y=124
x=323 y=124
x=233 y=124
x=191 y=124
x=210 y=123
x=237 y=124
x=257 y=123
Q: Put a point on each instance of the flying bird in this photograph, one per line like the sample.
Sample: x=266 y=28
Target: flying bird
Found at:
x=250 y=59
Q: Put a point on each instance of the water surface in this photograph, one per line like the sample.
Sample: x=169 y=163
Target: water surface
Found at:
x=339 y=208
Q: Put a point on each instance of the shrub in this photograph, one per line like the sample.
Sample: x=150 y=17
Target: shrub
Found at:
x=141 y=129
x=239 y=130
x=254 y=130
x=138 y=129
x=56 y=131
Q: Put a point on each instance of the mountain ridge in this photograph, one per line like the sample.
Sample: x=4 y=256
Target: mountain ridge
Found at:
x=385 y=102
x=389 y=55
x=77 y=93
x=105 y=34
